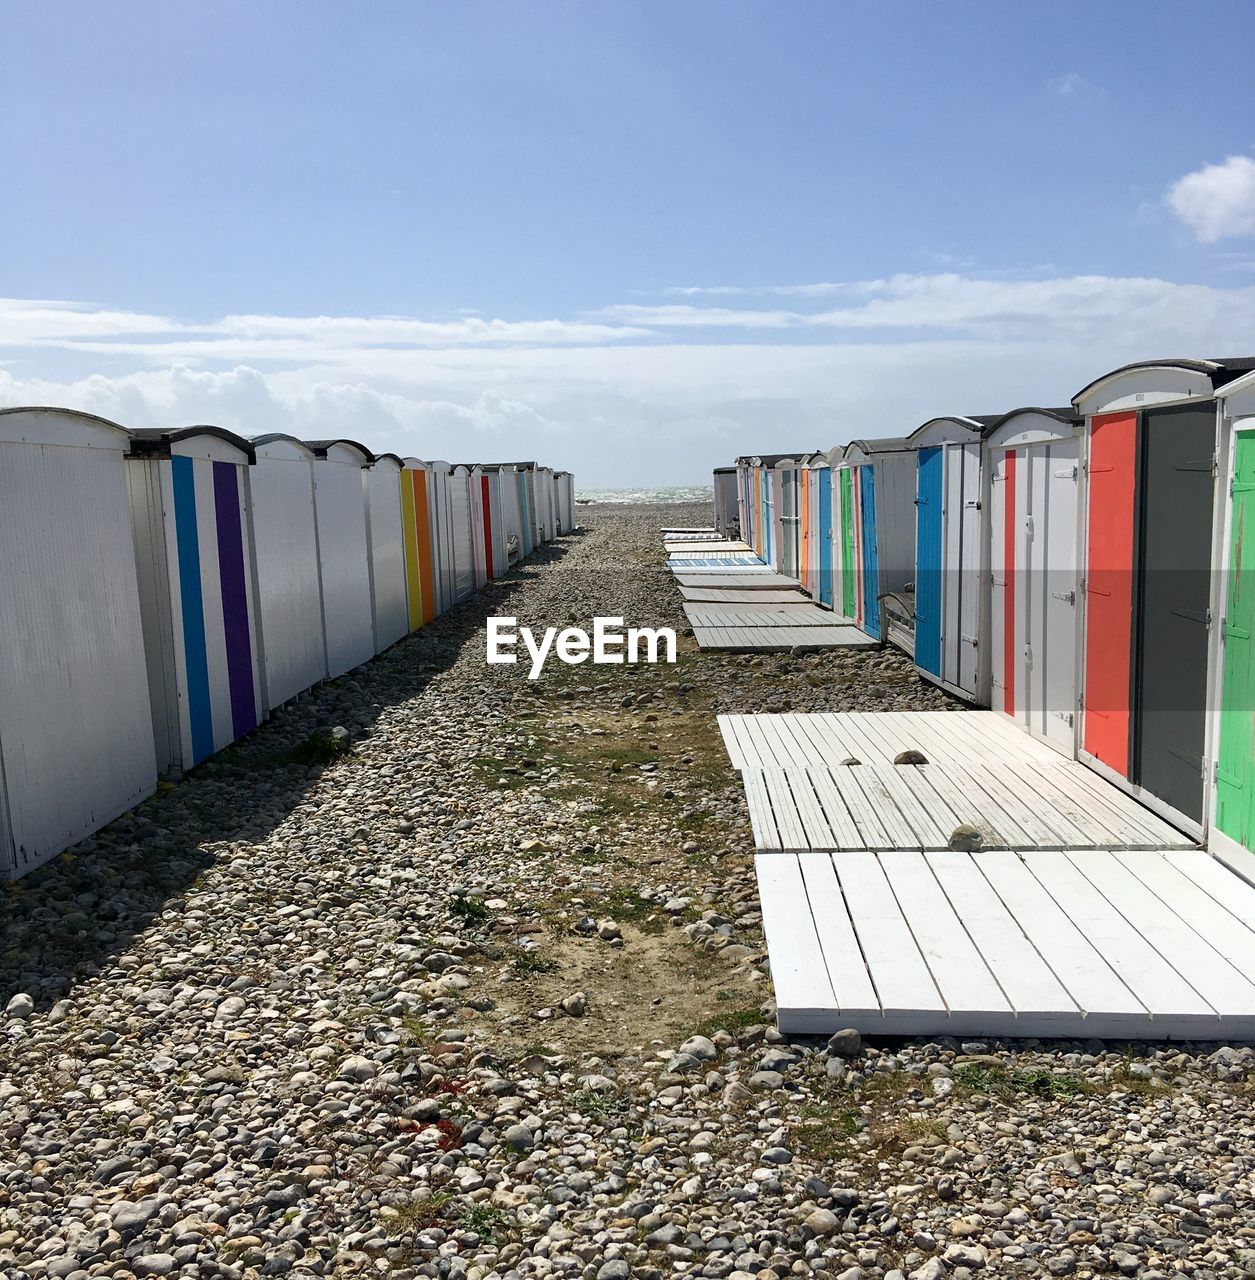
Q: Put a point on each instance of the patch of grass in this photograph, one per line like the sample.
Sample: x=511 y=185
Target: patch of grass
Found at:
x=1014 y=1082
x=732 y=1021
x=1125 y=1080
x=485 y=1220
x=894 y=1136
x=321 y=747
x=530 y=962
x=625 y=905
x=470 y=909
x=824 y=1133
x=606 y=1106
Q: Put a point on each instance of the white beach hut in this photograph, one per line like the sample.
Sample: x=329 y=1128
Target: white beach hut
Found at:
x=285 y=560
x=197 y=591
x=343 y=552
x=76 y=741
x=385 y=529
x=461 y=524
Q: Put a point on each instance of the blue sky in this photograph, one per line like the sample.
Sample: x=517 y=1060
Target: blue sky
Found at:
x=634 y=239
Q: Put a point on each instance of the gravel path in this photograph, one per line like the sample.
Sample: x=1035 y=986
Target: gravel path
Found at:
x=447 y=973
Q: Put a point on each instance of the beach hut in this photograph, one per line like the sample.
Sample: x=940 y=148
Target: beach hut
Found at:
x=1152 y=526
x=509 y=534
x=814 y=479
x=881 y=478
x=547 y=502
x=76 y=740
x=481 y=525
x=1232 y=832
x=461 y=524
x=746 y=502
x=727 y=516
x=188 y=493
x=951 y=596
x=343 y=552
x=1032 y=464
x=492 y=515
x=441 y=526
x=285 y=562
x=416 y=525
x=385 y=529
x=565 y=482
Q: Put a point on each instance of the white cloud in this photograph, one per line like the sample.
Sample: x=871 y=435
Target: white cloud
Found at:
x=1218 y=200
x=668 y=393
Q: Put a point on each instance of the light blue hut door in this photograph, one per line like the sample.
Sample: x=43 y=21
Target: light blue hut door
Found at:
x=928 y=583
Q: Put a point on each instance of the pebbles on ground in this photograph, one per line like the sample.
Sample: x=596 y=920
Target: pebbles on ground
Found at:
x=486 y=997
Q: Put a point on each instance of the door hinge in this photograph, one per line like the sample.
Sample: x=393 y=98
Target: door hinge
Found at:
x=972 y=640
x=1069 y=596
x=975 y=506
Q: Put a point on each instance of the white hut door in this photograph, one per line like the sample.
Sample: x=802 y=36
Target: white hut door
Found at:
x=1050 y=655
x=967 y=457
x=999 y=582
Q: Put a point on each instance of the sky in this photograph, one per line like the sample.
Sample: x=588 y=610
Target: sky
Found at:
x=631 y=240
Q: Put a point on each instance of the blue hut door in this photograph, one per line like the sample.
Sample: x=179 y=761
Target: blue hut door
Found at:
x=928 y=560
x=871 y=579
x=824 y=481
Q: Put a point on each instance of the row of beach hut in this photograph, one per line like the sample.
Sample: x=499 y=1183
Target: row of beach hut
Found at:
x=1079 y=569
x=165 y=590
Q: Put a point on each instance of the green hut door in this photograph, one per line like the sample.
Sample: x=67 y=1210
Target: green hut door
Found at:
x=1235 y=772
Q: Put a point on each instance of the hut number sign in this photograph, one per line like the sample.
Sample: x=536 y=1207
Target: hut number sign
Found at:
x=610 y=644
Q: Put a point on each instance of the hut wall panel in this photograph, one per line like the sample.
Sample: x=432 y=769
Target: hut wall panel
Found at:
x=928 y=558
x=1109 y=589
x=463 y=579
x=76 y=742
x=1235 y=755
x=285 y=557
x=387 y=554
x=344 y=565
x=1174 y=595
x=972 y=578
x=196 y=598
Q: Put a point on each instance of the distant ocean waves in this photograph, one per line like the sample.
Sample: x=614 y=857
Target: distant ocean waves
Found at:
x=671 y=493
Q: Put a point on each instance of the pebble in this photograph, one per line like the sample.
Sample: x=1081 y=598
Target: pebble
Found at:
x=276 y=1018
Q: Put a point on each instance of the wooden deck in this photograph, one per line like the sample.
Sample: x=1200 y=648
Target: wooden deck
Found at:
x=697 y=546
x=767 y=613
x=1132 y=945
x=828 y=781
x=1084 y=915
x=736 y=603
x=744 y=595
x=781 y=639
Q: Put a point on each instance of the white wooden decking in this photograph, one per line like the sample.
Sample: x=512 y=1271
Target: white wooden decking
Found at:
x=692 y=546
x=982 y=771
x=742 y=595
x=1086 y=915
x=1131 y=945
x=736 y=603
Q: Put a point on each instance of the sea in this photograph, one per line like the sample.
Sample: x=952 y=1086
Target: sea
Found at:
x=663 y=494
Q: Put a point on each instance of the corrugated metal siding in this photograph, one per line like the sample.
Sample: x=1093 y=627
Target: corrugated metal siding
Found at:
x=285 y=543
x=76 y=742
x=340 y=511
x=387 y=555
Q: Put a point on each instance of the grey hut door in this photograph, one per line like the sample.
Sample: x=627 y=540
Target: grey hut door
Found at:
x=1173 y=594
